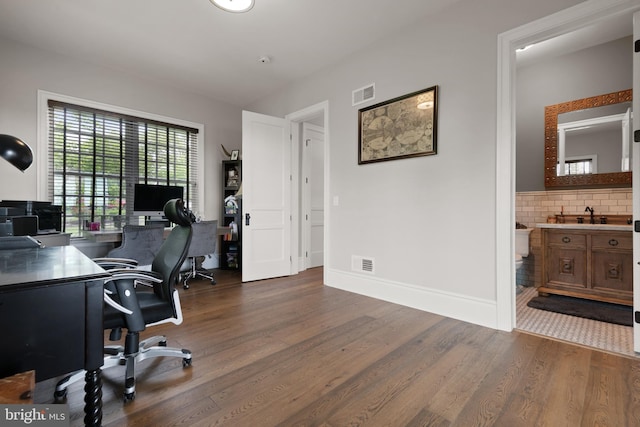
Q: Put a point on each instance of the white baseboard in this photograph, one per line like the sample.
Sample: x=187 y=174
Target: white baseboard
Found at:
x=473 y=310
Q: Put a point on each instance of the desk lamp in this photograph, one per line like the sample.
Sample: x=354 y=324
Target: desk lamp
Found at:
x=15 y=151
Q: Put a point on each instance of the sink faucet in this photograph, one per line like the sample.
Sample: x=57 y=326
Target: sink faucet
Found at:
x=590 y=210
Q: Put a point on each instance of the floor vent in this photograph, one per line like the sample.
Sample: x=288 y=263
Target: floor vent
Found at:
x=363 y=94
x=362 y=264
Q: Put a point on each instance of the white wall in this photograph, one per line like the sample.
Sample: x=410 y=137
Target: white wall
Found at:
x=24 y=71
x=428 y=222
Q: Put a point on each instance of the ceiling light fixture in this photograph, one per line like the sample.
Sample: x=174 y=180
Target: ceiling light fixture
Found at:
x=522 y=49
x=236 y=6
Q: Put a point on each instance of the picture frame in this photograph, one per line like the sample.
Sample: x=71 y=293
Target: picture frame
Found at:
x=399 y=128
x=235 y=154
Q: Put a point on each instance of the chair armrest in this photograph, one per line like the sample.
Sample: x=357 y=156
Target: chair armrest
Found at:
x=133 y=274
x=110 y=263
x=123 y=282
x=112 y=303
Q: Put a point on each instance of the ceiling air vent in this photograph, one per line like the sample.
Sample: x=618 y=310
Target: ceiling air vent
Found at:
x=362 y=264
x=363 y=94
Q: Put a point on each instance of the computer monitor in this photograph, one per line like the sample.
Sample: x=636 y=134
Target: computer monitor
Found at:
x=149 y=200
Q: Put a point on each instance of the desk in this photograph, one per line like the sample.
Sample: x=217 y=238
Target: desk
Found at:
x=54 y=239
x=115 y=236
x=51 y=309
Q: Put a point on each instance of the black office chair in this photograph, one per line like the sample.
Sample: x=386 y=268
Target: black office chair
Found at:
x=135 y=307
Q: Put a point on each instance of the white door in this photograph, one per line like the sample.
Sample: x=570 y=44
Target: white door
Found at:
x=266 y=197
x=313 y=194
x=635 y=177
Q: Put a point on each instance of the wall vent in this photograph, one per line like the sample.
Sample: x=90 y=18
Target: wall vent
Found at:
x=363 y=264
x=363 y=94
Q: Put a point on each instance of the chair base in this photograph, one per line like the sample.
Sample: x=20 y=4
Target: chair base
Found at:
x=115 y=355
x=194 y=274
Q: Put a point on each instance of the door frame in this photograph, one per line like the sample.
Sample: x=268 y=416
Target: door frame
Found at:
x=297 y=117
x=562 y=22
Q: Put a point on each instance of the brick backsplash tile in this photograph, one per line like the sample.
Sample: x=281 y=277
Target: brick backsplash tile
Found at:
x=611 y=201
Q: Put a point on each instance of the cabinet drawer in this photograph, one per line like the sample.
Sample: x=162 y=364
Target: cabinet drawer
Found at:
x=612 y=241
x=567 y=239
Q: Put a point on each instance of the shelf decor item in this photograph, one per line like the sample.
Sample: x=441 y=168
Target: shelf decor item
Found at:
x=400 y=128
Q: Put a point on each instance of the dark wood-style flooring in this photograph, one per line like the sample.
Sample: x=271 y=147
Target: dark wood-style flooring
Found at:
x=292 y=352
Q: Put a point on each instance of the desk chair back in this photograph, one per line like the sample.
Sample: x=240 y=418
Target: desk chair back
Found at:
x=205 y=236
x=140 y=243
x=173 y=251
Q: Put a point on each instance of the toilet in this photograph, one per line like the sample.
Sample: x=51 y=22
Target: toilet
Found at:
x=522 y=245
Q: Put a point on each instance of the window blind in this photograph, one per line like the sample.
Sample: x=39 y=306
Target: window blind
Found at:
x=96 y=157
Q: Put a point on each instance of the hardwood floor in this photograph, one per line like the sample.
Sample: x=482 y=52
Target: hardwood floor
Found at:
x=292 y=352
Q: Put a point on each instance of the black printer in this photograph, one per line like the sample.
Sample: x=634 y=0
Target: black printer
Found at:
x=29 y=218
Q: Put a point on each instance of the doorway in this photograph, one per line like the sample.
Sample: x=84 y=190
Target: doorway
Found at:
x=563 y=22
x=310 y=148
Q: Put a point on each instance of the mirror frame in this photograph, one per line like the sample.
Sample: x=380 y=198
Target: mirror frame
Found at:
x=551 y=180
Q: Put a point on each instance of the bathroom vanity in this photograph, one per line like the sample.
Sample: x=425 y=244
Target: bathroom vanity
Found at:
x=592 y=261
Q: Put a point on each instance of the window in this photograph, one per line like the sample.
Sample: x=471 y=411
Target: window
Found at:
x=577 y=167
x=96 y=157
x=580 y=165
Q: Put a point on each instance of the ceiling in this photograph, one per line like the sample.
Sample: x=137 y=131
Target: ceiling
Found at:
x=600 y=32
x=195 y=46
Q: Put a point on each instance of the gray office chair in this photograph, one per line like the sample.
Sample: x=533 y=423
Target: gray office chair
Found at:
x=140 y=243
x=134 y=307
x=205 y=236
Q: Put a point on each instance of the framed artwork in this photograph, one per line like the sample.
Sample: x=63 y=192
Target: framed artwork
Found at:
x=400 y=128
x=235 y=154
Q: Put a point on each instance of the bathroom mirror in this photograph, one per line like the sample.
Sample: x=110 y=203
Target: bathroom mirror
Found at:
x=590 y=138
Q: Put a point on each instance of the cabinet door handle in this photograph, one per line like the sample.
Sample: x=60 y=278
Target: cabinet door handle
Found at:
x=613 y=242
x=247 y=218
x=566 y=239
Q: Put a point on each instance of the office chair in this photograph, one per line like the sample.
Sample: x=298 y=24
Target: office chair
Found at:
x=140 y=243
x=134 y=307
x=205 y=235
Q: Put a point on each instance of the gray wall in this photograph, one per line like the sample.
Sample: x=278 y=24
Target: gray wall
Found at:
x=428 y=222
x=25 y=70
x=594 y=71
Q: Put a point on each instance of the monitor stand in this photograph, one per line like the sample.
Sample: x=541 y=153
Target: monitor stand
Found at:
x=150 y=220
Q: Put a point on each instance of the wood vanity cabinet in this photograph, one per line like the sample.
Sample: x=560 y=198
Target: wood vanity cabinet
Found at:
x=591 y=264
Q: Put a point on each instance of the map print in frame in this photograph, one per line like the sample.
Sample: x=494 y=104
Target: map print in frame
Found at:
x=400 y=128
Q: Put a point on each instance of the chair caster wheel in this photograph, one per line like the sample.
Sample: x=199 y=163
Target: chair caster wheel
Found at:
x=162 y=344
x=60 y=396
x=129 y=397
x=185 y=286
x=186 y=363
x=213 y=282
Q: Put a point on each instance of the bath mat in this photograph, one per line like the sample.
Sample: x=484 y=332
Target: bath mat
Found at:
x=595 y=310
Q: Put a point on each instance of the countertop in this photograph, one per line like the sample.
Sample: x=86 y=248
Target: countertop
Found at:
x=575 y=226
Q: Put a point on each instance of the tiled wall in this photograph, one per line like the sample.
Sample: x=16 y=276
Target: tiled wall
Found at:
x=534 y=207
